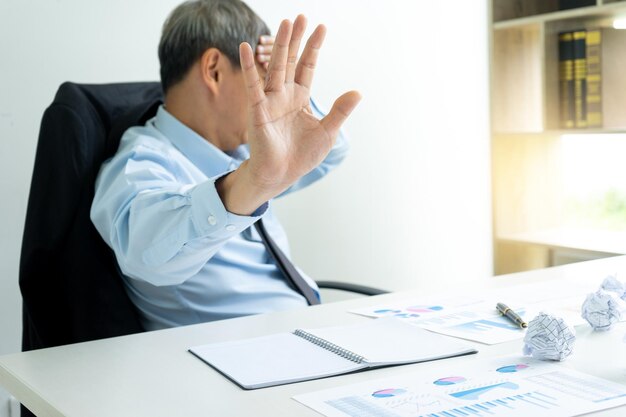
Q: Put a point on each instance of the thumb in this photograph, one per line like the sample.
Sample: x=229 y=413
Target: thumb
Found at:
x=340 y=111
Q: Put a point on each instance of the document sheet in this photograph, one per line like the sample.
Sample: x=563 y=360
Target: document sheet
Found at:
x=511 y=386
x=476 y=318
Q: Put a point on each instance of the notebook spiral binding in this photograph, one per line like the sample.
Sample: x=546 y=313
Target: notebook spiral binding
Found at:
x=336 y=349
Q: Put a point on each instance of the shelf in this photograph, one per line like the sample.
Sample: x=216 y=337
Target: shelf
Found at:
x=525 y=74
x=589 y=240
x=528 y=183
x=606 y=10
x=560 y=132
x=612 y=64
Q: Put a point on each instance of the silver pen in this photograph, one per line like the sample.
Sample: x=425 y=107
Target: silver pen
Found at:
x=511 y=315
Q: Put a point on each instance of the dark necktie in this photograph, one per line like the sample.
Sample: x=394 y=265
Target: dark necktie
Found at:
x=286 y=267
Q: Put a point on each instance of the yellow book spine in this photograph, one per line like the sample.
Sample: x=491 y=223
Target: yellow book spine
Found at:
x=594 y=78
x=580 y=78
x=566 y=79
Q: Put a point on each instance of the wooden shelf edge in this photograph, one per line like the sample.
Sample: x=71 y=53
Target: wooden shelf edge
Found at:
x=559 y=132
x=589 y=240
x=606 y=9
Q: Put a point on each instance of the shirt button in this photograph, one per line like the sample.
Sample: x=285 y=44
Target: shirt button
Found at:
x=230 y=227
x=212 y=220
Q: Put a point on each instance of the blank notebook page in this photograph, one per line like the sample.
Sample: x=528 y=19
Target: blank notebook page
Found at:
x=389 y=340
x=278 y=357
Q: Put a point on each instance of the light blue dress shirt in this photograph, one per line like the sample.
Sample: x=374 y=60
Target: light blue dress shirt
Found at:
x=185 y=259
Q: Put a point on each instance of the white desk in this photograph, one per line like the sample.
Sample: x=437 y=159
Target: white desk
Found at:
x=152 y=374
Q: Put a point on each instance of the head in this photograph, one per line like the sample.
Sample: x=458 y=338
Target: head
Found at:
x=200 y=46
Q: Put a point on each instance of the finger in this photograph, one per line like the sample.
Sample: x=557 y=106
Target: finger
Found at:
x=251 y=75
x=306 y=66
x=264 y=49
x=266 y=40
x=263 y=59
x=278 y=62
x=342 y=108
x=299 y=26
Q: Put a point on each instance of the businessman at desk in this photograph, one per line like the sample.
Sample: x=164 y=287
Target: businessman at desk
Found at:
x=178 y=201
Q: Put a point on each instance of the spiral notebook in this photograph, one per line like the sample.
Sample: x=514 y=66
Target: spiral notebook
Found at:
x=306 y=354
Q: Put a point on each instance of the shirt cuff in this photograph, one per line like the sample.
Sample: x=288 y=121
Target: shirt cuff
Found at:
x=211 y=218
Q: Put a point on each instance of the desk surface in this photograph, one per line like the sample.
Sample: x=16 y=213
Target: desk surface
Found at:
x=152 y=374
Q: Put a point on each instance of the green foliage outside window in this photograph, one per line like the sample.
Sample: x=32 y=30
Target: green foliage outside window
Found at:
x=602 y=211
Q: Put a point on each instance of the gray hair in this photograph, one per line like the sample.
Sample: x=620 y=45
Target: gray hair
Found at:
x=197 y=25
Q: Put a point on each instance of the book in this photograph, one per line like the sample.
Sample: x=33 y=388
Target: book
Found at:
x=593 y=97
x=302 y=355
x=606 y=84
x=573 y=78
x=566 y=79
x=591 y=81
x=580 y=78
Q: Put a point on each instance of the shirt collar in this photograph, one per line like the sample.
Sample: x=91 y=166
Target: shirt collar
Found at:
x=211 y=160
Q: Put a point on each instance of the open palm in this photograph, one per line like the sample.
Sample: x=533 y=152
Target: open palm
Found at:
x=286 y=140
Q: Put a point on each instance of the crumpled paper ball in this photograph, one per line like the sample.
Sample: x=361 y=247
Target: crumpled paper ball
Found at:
x=549 y=338
x=612 y=284
x=602 y=309
x=606 y=306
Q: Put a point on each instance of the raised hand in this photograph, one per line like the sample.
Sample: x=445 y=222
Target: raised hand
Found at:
x=286 y=141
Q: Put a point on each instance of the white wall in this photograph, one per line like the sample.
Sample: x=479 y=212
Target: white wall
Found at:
x=42 y=44
x=409 y=208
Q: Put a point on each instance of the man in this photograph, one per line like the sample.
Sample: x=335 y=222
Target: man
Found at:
x=177 y=201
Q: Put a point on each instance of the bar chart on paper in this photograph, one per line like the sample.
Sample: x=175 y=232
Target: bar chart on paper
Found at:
x=431 y=407
x=498 y=389
x=481 y=325
x=524 y=403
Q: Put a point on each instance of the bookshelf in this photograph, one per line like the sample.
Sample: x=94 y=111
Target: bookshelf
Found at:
x=526 y=123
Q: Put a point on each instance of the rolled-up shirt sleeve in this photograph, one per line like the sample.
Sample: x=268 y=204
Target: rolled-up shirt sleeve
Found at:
x=161 y=229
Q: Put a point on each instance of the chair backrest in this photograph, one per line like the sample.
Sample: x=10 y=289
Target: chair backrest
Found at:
x=70 y=284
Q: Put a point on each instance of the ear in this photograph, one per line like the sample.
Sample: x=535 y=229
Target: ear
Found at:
x=210 y=68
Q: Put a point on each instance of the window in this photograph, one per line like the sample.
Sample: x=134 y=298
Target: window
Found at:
x=594 y=180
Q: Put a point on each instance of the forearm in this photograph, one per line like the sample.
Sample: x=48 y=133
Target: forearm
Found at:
x=164 y=236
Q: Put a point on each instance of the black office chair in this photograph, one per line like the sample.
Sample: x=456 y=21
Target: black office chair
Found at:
x=71 y=287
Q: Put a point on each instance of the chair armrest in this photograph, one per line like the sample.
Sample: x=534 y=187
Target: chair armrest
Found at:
x=356 y=288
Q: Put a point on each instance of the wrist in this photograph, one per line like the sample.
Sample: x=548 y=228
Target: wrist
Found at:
x=239 y=192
